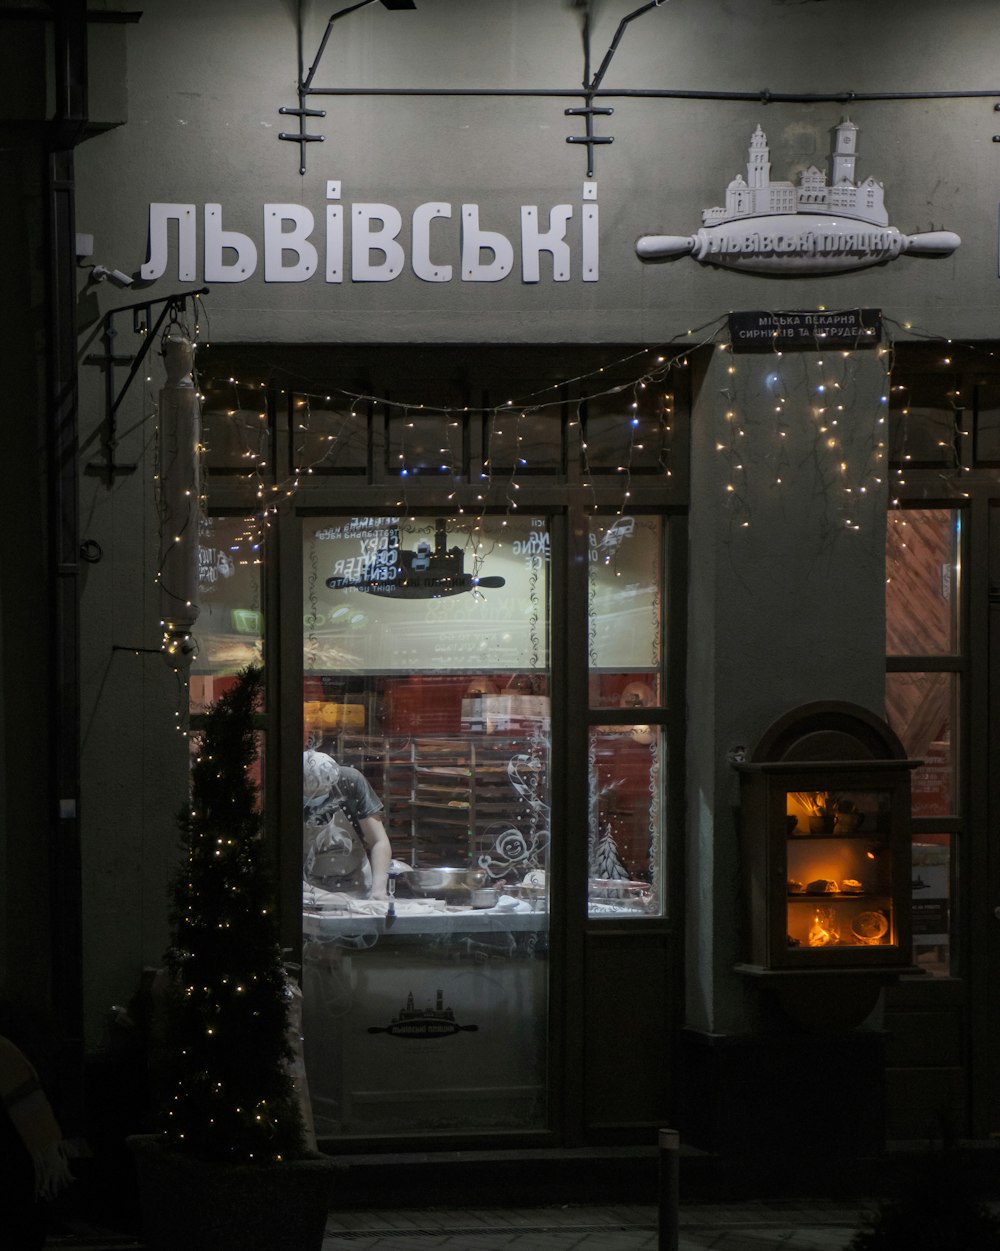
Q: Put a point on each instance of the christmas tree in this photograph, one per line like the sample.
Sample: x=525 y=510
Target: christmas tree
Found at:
x=229 y=1094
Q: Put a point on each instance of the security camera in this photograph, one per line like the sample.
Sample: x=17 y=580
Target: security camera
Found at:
x=100 y=272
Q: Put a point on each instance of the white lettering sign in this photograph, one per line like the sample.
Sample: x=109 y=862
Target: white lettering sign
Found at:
x=382 y=244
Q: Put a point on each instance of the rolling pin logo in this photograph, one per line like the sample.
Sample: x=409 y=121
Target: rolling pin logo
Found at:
x=815 y=226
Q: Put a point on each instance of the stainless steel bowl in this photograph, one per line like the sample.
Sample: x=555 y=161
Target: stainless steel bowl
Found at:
x=445 y=881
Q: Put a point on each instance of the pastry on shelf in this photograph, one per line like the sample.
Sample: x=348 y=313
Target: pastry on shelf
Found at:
x=821 y=886
x=869 y=927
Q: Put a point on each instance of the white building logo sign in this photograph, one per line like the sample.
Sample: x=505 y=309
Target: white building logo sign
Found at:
x=818 y=225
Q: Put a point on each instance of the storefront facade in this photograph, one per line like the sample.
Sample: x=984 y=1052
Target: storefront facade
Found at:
x=463 y=653
x=544 y=474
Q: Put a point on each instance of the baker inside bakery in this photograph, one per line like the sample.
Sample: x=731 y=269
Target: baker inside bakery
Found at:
x=344 y=844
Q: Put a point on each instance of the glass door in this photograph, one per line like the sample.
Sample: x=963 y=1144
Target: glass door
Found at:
x=425 y=852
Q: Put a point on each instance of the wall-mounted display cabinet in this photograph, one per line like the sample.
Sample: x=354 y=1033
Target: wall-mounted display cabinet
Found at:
x=825 y=825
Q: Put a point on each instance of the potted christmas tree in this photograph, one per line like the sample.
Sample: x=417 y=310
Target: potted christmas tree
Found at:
x=230 y=1128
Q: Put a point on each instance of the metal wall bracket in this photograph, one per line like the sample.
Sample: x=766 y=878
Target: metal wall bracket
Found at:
x=174 y=307
x=301 y=137
x=587 y=92
x=592 y=85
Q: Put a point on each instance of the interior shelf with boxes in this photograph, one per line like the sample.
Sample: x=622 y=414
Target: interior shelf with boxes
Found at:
x=449 y=799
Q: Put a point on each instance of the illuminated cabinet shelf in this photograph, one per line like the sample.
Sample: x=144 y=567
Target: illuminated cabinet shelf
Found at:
x=825 y=828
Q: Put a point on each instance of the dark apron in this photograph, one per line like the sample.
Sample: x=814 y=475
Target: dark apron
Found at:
x=334 y=855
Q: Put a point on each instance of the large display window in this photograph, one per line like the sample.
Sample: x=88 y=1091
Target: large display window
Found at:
x=627 y=757
x=460 y=847
x=425 y=823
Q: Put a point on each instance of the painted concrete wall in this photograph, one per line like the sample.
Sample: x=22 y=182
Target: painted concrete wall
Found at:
x=786 y=605
x=205 y=82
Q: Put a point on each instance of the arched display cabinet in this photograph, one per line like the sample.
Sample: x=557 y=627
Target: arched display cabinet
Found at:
x=825 y=830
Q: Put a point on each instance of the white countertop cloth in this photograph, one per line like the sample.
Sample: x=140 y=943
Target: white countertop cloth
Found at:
x=329 y=903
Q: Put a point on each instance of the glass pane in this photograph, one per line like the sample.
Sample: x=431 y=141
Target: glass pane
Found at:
x=932 y=903
x=625 y=690
x=625 y=599
x=629 y=431
x=524 y=442
x=422 y=595
x=235 y=428
x=230 y=626
x=327 y=438
x=922 y=709
x=987 y=427
x=923 y=416
x=426 y=444
x=839 y=866
x=922 y=581
x=625 y=843
x=425 y=824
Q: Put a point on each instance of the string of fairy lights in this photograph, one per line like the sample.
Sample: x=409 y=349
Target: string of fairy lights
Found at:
x=810 y=403
x=248 y=435
x=765 y=414
x=248 y=431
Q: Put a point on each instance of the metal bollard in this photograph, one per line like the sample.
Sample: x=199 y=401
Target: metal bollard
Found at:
x=670 y=1143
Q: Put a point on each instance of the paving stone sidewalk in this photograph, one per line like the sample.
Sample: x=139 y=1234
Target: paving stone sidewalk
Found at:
x=791 y=1226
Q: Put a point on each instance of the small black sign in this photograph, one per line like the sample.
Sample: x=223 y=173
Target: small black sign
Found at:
x=807 y=331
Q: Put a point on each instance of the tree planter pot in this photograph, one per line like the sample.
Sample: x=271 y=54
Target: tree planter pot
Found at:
x=189 y=1204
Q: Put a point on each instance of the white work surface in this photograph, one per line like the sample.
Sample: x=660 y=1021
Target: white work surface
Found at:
x=327 y=915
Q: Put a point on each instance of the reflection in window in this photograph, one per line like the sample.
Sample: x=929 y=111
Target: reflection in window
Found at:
x=625 y=595
x=236 y=432
x=922 y=582
x=645 y=414
x=327 y=438
x=932 y=903
x=426 y=444
x=230 y=626
x=524 y=442
x=920 y=708
x=924 y=417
